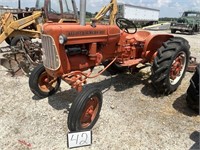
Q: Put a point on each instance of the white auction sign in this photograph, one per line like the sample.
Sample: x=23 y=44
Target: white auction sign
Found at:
x=78 y=139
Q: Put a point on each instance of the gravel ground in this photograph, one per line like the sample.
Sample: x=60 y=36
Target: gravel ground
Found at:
x=132 y=116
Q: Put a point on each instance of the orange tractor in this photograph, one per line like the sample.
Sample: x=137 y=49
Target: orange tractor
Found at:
x=72 y=50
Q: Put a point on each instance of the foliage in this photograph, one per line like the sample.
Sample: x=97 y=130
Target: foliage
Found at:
x=167 y=19
x=88 y=14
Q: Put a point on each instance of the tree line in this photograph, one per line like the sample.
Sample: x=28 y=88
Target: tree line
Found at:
x=167 y=19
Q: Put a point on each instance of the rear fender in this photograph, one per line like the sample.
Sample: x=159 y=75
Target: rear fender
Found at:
x=152 y=44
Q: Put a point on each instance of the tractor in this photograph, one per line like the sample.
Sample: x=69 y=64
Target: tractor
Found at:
x=71 y=51
x=27 y=23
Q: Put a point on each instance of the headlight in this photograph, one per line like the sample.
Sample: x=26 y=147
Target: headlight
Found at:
x=62 y=39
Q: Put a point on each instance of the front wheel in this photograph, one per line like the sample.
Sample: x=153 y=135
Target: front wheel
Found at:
x=170 y=64
x=85 y=110
x=41 y=84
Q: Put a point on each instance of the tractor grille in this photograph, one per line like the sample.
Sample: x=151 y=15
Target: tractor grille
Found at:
x=50 y=55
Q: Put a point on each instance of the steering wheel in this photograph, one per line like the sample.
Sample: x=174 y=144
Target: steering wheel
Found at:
x=127 y=25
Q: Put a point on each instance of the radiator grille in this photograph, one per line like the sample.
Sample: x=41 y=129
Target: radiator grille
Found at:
x=50 y=56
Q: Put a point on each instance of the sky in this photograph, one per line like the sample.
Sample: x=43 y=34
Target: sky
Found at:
x=168 y=8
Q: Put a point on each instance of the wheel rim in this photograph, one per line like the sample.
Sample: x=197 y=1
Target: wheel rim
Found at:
x=177 y=68
x=44 y=82
x=90 y=112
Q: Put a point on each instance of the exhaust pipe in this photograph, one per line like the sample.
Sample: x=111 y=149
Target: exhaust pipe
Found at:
x=82 y=12
x=75 y=9
x=19 y=4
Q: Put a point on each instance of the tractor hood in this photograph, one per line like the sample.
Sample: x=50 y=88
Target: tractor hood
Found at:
x=77 y=34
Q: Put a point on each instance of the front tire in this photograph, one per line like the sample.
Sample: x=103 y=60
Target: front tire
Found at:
x=40 y=82
x=85 y=110
x=170 y=64
x=192 y=97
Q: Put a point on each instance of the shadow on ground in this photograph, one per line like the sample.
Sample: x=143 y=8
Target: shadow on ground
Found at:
x=195 y=136
x=180 y=105
x=62 y=100
x=120 y=82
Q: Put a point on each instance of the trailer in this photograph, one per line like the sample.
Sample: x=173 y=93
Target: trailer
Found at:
x=138 y=14
x=4 y=9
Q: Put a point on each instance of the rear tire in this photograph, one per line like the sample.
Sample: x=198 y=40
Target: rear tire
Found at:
x=85 y=110
x=170 y=64
x=16 y=40
x=39 y=85
x=192 y=97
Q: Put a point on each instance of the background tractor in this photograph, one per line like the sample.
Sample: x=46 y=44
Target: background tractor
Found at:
x=17 y=28
x=71 y=51
x=27 y=22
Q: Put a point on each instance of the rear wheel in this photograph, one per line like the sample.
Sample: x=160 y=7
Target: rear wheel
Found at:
x=16 y=40
x=41 y=84
x=192 y=97
x=85 y=110
x=170 y=64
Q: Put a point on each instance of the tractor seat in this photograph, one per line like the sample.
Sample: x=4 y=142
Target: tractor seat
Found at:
x=139 y=36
